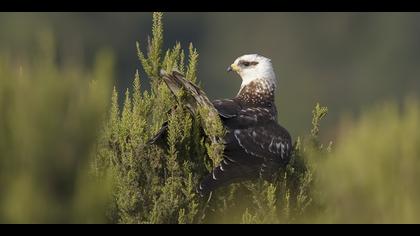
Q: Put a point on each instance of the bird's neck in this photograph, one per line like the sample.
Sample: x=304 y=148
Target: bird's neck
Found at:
x=257 y=92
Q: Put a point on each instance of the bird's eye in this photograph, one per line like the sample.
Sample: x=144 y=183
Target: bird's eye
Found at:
x=245 y=63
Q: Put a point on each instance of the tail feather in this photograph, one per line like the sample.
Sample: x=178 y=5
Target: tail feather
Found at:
x=196 y=97
x=160 y=137
x=194 y=100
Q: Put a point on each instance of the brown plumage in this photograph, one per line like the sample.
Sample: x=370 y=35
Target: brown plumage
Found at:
x=255 y=144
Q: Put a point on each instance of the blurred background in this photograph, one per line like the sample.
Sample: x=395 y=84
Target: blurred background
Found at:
x=346 y=61
x=363 y=66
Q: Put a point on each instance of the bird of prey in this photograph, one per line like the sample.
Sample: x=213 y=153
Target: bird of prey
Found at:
x=255 y=145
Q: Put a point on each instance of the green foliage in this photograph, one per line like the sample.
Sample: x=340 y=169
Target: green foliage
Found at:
x=50 y=118
x=154 y=185
x=371 y=176
x=157 y=185
x=317 y=114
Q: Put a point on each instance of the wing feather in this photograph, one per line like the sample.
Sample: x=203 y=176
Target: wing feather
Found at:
x=227 y=108
x=268 y=142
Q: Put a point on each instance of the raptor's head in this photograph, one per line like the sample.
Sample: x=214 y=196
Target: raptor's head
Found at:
x=252 y=67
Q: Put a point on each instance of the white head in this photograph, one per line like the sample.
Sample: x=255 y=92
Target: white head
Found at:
x=251 y=67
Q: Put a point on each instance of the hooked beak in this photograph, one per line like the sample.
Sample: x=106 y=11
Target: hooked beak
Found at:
x=233 y=67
